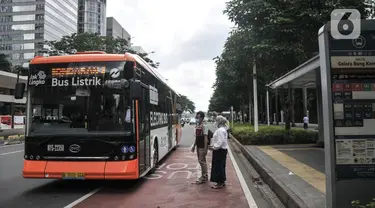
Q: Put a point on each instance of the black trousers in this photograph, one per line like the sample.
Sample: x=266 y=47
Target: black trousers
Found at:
x=219 y=159
x=305 y=126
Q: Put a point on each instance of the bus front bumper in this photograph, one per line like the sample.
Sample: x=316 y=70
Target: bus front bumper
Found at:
x=81 y=169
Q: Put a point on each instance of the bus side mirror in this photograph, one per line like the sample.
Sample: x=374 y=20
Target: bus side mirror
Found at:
x=19 y=90
x=135 y=89
x=129 y=66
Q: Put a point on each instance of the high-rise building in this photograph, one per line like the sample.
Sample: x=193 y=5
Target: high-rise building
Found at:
x=92 y=16
x=115 y=29
x=26 y=24
x=139 y=49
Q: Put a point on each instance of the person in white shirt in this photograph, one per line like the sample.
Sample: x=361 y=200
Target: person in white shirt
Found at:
x=219 y=145
x=305 y=122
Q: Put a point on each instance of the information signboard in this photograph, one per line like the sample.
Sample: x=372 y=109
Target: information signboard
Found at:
x=347 y=74
x=353 y=100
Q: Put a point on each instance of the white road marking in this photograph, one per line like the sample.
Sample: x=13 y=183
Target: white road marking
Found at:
x=249 y=197
x=12 y=145
x=8 y=153
x=71 y=205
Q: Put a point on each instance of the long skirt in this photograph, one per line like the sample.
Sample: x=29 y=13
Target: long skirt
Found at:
x=219 y=159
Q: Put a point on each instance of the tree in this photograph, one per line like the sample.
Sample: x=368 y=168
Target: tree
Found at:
x=92 y=42
x=275 y=35
x=23 y=70
x=186 y=104
x=5 y=64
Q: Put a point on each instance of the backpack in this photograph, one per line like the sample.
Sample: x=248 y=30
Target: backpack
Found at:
x=209 y=136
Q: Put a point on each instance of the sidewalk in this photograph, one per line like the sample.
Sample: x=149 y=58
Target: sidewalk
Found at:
x=294 y=172
x=9 y=132
x=171 y=186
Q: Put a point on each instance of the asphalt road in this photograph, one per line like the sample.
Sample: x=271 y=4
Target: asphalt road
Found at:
x=16 y=192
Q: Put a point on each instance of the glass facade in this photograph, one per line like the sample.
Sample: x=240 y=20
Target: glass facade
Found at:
x=26 y=24
x=115 y=29
x=92 y=16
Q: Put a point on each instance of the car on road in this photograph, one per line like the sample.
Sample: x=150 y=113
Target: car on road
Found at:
x=192 y=121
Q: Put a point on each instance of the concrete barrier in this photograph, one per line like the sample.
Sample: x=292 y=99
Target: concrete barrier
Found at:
x=11 y=139
x=285 y=194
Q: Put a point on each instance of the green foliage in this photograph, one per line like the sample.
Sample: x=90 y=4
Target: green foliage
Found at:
x=186 y=103
x=272 y=135
x=275 y=35
x=23 y=70
x=5 y=64
x=93 y=42
x=357 y=204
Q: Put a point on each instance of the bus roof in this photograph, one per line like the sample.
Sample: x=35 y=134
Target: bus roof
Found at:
x=97 y=56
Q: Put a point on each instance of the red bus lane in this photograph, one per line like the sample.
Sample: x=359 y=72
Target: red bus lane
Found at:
x=171 y=187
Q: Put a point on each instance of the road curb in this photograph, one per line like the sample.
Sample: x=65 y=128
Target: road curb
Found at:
x=285 y=194
x=9 y=139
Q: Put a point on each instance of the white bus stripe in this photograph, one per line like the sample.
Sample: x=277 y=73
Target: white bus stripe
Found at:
x=8 y=153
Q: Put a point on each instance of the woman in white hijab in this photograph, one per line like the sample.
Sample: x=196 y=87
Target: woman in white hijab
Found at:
x=219 y=146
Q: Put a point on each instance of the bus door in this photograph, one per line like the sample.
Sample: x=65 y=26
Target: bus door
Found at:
x=144 y=129
x=169 y=111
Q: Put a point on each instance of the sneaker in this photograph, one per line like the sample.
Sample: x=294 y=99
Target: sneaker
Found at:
x=201 y=180
x=218 y=185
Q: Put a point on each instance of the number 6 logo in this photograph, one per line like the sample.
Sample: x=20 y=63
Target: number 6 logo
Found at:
x=345 y=24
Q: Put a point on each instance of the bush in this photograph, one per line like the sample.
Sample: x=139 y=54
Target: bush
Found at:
x=357 y=204
x=271 y=135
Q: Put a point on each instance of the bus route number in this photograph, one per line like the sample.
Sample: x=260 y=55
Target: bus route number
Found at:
x=55 y=148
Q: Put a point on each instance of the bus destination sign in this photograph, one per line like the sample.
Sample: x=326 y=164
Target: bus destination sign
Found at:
x=72 y=71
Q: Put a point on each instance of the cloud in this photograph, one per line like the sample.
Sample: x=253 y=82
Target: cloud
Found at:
x=185 y=35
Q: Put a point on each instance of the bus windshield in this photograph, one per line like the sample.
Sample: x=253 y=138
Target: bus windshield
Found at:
x=80 y=98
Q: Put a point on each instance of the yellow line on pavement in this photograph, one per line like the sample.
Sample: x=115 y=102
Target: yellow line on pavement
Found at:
x=307 y=173
x=293 y=149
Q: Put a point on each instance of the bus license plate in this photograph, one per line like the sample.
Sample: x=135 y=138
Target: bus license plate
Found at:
x=73 y=176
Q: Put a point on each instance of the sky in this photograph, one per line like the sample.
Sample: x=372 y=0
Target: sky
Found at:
x=185 y=36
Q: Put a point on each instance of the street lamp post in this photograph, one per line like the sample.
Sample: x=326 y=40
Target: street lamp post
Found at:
x=255 y=97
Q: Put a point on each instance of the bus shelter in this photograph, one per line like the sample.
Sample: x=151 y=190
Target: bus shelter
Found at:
x=306 y=75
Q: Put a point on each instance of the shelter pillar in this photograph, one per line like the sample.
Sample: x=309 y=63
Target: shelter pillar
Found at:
x=304 y=94
x=319 y=107
x=268 y=106
x=277 y=106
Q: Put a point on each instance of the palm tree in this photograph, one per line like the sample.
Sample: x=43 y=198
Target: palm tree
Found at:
x=5 y=64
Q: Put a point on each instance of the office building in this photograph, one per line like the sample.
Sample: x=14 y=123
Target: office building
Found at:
x=115 y=30
x=26 y=24
x=139 y=49
x=92 y=16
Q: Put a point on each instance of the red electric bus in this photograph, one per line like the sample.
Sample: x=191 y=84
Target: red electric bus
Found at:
x=94 y=115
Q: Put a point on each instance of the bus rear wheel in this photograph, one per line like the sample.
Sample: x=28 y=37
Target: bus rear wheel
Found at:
x=155 y=156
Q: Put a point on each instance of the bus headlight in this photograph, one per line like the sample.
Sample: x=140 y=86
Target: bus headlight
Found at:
x=131 y=156
x=124 y=149
x=116 y=158
x=31 y=157
x=37 y=157
x=25 y=156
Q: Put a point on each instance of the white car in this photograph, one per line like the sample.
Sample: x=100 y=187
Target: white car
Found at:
x=192 y=121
